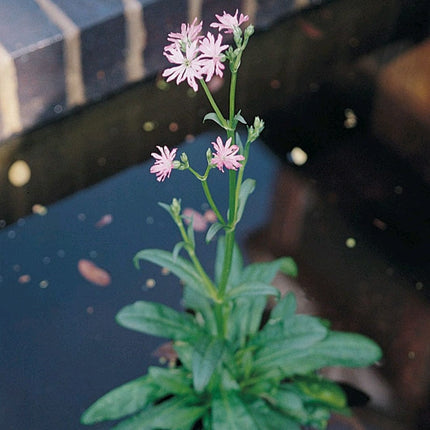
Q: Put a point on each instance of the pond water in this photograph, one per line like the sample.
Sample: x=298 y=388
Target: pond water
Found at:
x=60 y=346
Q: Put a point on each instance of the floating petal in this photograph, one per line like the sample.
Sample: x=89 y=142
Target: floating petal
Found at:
x=93 y=273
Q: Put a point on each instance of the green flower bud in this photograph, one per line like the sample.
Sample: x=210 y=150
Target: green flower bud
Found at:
x=176 y=207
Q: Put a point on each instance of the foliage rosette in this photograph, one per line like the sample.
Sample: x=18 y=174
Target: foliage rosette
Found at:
x=238 y=365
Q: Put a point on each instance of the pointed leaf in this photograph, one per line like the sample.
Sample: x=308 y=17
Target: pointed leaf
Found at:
x=177 y=249
x=212 y=231
x=174 y=381
x=158 y=320
x=289 y=267
x=206 y=356
x=337 y=349
x=213 y=117
x=263 y=272
x=246 y=189
x=175 y=413
x=199 y=303
x=284 y=309
x=252 y=289
x=124 y=400
x=183 y=269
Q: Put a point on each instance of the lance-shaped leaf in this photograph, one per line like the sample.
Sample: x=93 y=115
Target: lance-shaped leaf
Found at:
x=212 y=231
x=246 y=189
x=206 y=356
x=252 y=288
x=183 y=269
x=124 y=400
x=337 y=349
x=174 y=381
x=177 y=413
x=213 y=117
x=231 y=411
x=263 y=272
x=158 y=320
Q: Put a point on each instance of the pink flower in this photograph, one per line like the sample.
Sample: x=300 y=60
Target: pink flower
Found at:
x=226 y=155
x=163 y=162
x=228 y=22
x=189 y=65
x=189 y=33
x=212 y=54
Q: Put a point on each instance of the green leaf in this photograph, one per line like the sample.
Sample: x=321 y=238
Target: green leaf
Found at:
x=239 y=118
x=236 y=265
x=337 y=349
x=212 y=231
x=176 y=413
x=185 y=353
x=268 y=418
x=288 y=267
x=231 y=411
x=124 y=400
x=177 y=249
x=263 y=272
x=246 y=189
x=252 y=289
x=158 y=320
x=199 y=303
x=322 y=390
x=174 y=381
x=183 y=269
x=213 y=117
x=245 y=318
x=206 y=356
x=284 y=309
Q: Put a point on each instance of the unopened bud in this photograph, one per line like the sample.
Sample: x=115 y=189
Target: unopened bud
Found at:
x=255 y=130
x=176 y=207
x=249 y=31
x=209 y=157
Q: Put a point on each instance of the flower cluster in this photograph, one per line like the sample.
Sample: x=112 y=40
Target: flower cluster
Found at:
x=199 y=57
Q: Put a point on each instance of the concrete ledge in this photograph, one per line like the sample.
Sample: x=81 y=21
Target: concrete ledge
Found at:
x=56 y=55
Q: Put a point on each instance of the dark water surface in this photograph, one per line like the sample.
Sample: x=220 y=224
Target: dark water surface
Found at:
x=60 y=346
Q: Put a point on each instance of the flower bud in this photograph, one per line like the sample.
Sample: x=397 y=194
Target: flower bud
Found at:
x=176 y=207
x=237 y=35
x=255 y=130
x=249 y=31
x=209 y=157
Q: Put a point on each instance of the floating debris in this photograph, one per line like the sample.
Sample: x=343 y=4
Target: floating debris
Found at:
x=24 y=279
x=90 y=310
x=104 y=220
x=93 y=273
x=82 y=217
x=39 y=209
x=275 y=84
x=150 y=283
x=310 y=30
x=19 y=173
x=379 y=224
x=44 y=284
x=173 y=127
x=350 y=242
x=350 y=119
x=297 y=156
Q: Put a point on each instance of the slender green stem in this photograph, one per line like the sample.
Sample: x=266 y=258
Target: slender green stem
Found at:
x=210 y=287
x=233 y=82
x=213 y=104
x=211 y=201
